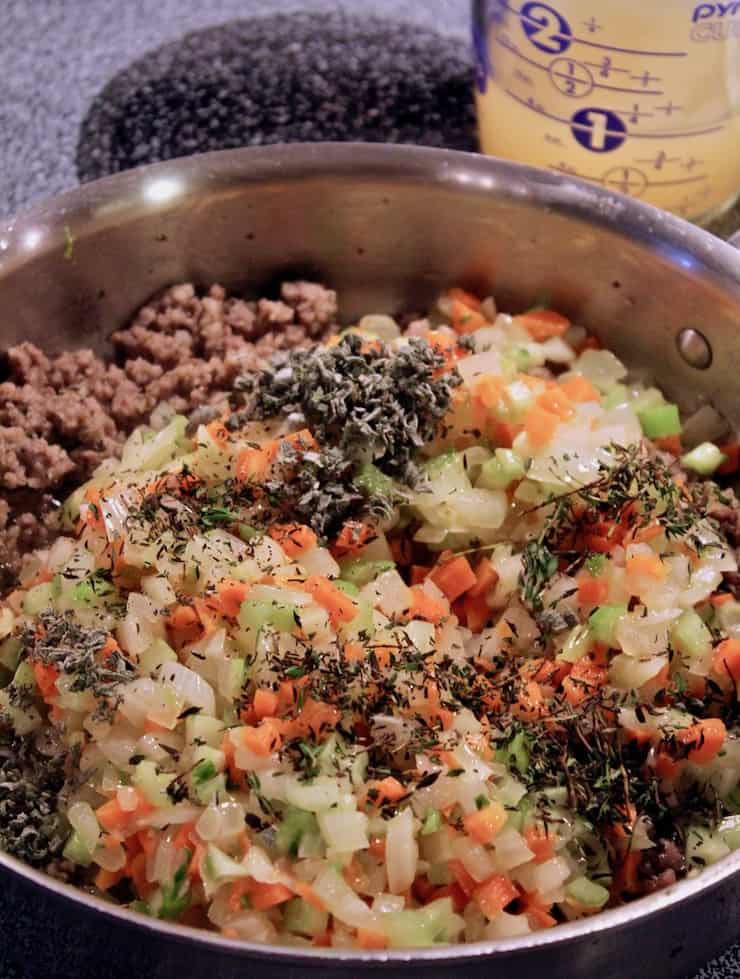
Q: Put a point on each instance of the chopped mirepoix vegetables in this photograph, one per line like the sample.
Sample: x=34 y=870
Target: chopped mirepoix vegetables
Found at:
x=422 y=641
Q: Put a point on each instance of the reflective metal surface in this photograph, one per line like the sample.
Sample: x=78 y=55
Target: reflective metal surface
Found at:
x=386 y=226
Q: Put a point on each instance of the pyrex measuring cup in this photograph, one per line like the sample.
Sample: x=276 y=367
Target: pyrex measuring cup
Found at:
x=638 y=96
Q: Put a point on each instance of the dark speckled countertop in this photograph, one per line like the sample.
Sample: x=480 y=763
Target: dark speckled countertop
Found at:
x=55 y=55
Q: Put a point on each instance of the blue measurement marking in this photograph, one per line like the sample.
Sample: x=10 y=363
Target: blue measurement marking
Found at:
x=510 y=46
x=546 y=29
x=683 y=135
x=568 y=38
x=598 y=130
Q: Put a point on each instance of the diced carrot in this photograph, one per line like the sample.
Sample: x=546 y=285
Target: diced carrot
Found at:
x=625 y=879
x=371 y=939
x=485 y=823
x=218 y=432
x=184 y=625
x=540 y=842
x=265 y=703
x=354 y=652
x=720 y=598
x=453 y=577
x=726 y=659
x=105 y=879
x=204 y=608
x=301 y=441
x=494 y=894
x=463 y=296
x=46 y=680
x=294 y=538
x=196 y=862
x=264 y=896
x=323 y=939
x=556 y=401
x=231 y=594
x=353 y=536
x=477 y=612
x=264 y=739
x=314 y=720
x=579 y=389
x=646 y=564
x=237 y=892
x=732 y=462
x=665 y=766
x=584 y=676
x=707 y=736
x=669 y=443
x=539 y=917
x=425 y=606
x=340 y=607
x=531 y=701
x=377 y=847
x=419 y=573
x=465 y=320
x=112 y=817
x=541 y=324
x=148 y=841
x=388 y=789
x=252 y=464
x=137 y=872
x=592 y=591
x=486 y=578
x=466 y=881
x=488 y=391
x=540 y=426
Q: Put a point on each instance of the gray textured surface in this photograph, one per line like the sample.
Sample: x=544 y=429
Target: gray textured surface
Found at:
x=57 y=54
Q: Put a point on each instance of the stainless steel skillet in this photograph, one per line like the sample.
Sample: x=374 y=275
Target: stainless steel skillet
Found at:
x=387 y=226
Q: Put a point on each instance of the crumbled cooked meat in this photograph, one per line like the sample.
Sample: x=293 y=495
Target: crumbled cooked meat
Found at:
x=726 y=511
x=61 y=416
x=661 y=866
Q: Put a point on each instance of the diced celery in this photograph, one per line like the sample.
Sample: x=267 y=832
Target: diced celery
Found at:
x=10 y=650
x=201 y=728
x=296 y=823
x=155 y=655
x=595 y=564
x=372 y=482
x=38 y=598
x=347 y=587
x=703 y=847
x=247 y=532
x=363 y=622
x=220 y=866
x=576 y=645
x=660 y=421
x=254 y=615
x=729 y=830
x=450 y=459
x=435 y=923
x=303 y=919
x=690 y=636
x=704 y=459
x=76 y=850
x=586 y=892
x=616 y=394
x=432 y=823
x=602 y=622
x=210 y=789
x=151 y=783
x=23 y=719
x=91 y=590
x=517 y=753
x=234 y=681
x=359 y=572
x=501 y=471
x=649 y=398
x=24 y=676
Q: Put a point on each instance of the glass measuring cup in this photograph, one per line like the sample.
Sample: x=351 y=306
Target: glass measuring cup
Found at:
x=638 y=97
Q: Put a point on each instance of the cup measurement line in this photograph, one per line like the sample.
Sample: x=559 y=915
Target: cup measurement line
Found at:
x=609 y=132
x=608 y=88
x=572 y=39
x=650 y=183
